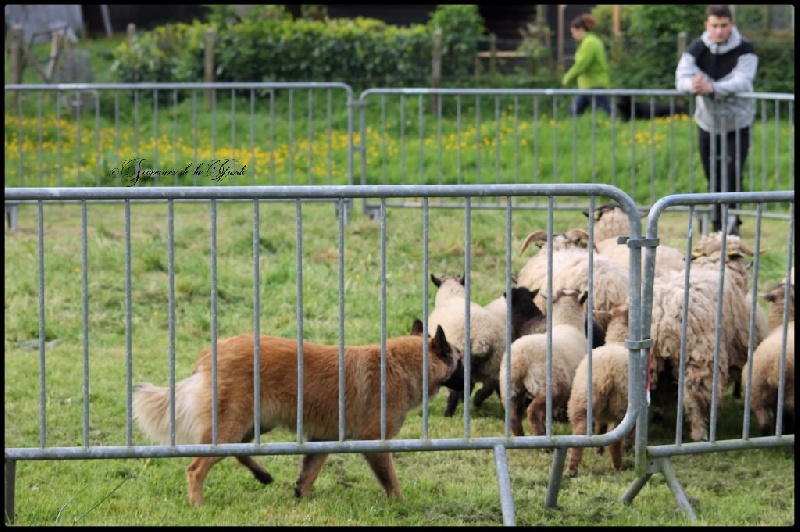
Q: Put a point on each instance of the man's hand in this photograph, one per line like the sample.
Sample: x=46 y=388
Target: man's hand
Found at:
x=701 y=85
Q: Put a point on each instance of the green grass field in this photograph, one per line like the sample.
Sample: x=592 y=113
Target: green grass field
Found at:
x=440 y=488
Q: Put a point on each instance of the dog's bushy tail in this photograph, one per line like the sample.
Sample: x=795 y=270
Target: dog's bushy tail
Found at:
x=152 y=413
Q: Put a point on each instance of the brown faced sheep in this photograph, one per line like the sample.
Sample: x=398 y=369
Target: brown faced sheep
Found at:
x=610 y=222
x=528 y=368
x=609 y=389
x=766 y=366
x=487 y=337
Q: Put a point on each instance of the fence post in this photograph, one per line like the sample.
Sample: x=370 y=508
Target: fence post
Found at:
x=15 y=51
x=56 y=42
x=681 y=43
x=436 y=75
x=209 y=62
x=493 y=53
x=131 y=33
x=560 y=37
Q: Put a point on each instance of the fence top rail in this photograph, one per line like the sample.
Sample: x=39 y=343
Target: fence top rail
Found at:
x=192 y=85
x=317 y=191
x=562 y=92
x=60 y=87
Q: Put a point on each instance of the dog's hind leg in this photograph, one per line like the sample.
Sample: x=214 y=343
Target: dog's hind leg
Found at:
x=309 y=469
x=383 y=467
x=196 y=475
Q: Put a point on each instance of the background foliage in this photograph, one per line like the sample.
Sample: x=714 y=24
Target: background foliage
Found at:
x=269 y=45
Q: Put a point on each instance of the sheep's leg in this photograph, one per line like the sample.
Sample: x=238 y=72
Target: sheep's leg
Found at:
x=696 y=405
x=453 y=398
x=481 y=395
x=576 y=453
x=788 y=422
x=599 y=428
x=615 y=450
x=517 y=406
x=628 y=441
x=536 y=411
x=763 y=419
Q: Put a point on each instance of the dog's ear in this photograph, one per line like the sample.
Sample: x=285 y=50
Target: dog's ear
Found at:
x=439 y=345
x=416 y=327
x=436 y=281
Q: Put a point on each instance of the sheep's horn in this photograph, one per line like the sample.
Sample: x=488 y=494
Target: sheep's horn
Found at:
x=536 y=236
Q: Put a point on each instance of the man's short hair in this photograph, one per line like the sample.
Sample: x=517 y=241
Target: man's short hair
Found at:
x=719 y=11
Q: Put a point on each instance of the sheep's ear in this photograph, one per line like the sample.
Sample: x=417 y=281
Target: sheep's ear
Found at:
x=744 y=250
x=772 y=297
x=696 y=254
x=436 y=281
x=534 y=293
x=416 y=327
x=583 y=297
x=536 y=236
x=602 y=317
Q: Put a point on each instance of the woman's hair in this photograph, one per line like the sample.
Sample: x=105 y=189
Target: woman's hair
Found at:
x=584 y=22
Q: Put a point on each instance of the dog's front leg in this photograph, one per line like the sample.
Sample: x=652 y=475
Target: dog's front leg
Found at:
x=309 y=469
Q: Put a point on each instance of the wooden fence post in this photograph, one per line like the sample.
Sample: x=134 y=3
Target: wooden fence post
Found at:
x=493 y=53
x=681 y=43
x=131 y=33
x=209 y=62
x=15 y=45
x=436 y=75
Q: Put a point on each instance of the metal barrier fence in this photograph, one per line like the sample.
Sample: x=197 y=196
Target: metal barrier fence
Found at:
x=659 y=455
x=305 y=133
x=128 y=447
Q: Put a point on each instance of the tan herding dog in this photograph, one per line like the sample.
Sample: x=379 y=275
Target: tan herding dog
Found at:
x=279 y=398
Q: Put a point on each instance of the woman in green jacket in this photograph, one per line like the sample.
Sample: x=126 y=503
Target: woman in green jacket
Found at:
x=590 y=68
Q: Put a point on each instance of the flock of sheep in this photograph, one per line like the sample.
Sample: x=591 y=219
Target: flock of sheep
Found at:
x=605 y=329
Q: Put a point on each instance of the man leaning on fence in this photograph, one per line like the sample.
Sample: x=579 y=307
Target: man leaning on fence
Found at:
x=715 y=67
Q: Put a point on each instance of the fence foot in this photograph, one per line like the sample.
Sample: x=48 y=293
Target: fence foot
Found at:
x=635 y=488
x=504 y=481
x=675 y=488
x=11 y=476
x=11 y=214
x=556 y=472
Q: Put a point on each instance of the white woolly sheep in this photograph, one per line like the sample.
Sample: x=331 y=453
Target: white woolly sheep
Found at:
x=666 y=333
x=571 y=270
x=609 y=389
x=766 y=366
x=737 y=299
x=487 y=339
x=567 y=248
x=610 y=222
x=528 y=368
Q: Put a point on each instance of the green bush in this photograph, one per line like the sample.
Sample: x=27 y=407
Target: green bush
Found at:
x=269 y=45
